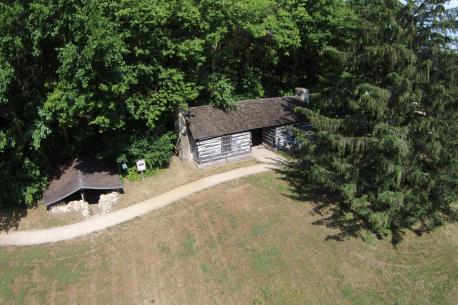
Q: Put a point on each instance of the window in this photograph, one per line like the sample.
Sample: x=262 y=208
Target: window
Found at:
x=226 y=145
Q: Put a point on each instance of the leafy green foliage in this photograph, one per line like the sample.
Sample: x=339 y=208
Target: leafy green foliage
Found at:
x=80 y=78
x=105 y=79
x=155 y=149
x=385 y=148
x=221 y=91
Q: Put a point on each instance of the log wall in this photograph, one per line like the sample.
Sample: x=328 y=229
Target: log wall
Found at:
x=283 y=137
x=210 y=150
x=268 y=136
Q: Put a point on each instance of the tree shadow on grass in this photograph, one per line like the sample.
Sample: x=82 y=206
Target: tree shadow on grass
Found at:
x=335 y=218
x=10 y=218
x=333 y=215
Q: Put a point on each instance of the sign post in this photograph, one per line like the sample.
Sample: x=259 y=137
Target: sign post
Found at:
x=141 y=167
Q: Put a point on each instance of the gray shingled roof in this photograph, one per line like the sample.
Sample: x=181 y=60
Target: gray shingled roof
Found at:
x=81 y=175
x=207 y=122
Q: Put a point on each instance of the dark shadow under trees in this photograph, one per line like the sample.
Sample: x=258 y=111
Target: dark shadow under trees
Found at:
x=10 y=218
x=334 y=214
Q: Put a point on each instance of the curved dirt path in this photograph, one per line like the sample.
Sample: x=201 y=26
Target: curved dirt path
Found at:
x=51 y=235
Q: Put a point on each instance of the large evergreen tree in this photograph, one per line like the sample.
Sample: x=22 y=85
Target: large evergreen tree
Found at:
x=384 y=143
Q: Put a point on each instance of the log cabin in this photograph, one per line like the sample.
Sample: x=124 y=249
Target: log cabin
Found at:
x=209 y=135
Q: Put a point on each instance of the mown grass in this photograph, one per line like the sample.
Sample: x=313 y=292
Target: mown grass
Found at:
x=188 y=246
x=17 y=269
x=246 y=242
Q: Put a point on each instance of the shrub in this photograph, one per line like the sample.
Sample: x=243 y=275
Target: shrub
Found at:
x=156 y=149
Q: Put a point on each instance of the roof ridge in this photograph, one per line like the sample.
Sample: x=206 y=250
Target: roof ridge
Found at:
x=248 y=101
x=80 y=180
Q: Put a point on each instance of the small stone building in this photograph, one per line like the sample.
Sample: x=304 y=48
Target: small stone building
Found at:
x=208 y=135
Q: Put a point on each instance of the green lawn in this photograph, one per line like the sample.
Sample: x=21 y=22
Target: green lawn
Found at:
x=244 y=242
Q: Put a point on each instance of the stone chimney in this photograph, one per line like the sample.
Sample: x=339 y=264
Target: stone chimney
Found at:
x=303 y=94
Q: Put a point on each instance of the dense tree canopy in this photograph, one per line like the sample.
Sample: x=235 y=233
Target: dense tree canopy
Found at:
x=98 y=77
x=105 y=78
x=384 y=144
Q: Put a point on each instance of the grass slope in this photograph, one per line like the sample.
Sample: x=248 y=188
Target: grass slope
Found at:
x=245 y=242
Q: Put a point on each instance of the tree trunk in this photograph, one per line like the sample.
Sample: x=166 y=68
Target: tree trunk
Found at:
x=66 y=137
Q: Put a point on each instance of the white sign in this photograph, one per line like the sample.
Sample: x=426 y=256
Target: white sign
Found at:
x=141 y=165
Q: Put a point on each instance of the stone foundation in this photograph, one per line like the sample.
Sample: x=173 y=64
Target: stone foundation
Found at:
x=106 y=202
x=73 y=206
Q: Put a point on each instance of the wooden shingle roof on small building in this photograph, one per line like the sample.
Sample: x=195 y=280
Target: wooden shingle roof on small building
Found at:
x=208 y=122
x=81 y=175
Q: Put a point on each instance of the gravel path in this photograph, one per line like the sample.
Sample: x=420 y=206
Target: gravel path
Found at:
x=35 y=237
